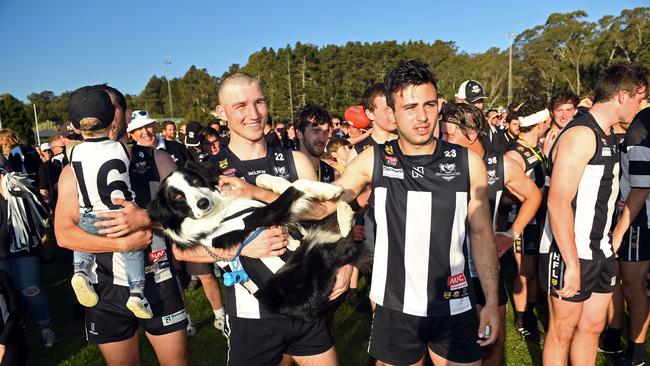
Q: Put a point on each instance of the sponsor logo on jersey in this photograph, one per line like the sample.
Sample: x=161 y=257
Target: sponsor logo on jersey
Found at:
x=390 y=160
x=532 y=159
x=607 y=151
x=157 y=255
x=492 y=177
x=140 y=167
x=389 y=150
x=230 y=172
x=280 y=171
x=447 y=171
x=156 y=266
x=255 y=173
x=223 y=164
x=391 y=172
x=174 y=318
x=456 y=281
x=555 y=269
x=92 y=329
x=417 y=172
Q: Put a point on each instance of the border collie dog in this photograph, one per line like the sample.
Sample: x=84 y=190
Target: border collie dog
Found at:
x=193 y=212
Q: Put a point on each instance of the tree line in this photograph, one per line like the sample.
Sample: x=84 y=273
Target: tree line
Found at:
x=565 y=53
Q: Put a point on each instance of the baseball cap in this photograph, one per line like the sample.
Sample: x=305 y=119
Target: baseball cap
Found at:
x=68 y=131
x=356 y=117
x=193 y=133
x=471 y=91
x=45 y=146
x=85 y=102
x=139 y=118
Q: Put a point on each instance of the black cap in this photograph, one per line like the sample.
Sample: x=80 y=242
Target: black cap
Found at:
x=86 y=102
x=193 y=133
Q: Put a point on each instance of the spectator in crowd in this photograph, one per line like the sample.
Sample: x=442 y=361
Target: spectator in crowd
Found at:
x=193 y=140
x=270 y=135
x=563 y=107
x=175 y=149
x=20 y=242
x=22 y=158
x=282 y=132
x=13 y=345
x=337 y=154
x=169 y=130
x=210 y=144
x=45 y=152
x=181 y=132
x=471 y=92
x=50 y=171
x=215 y=124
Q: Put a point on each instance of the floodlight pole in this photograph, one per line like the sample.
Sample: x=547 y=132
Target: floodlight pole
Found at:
x=38 y=134
x=169 y=89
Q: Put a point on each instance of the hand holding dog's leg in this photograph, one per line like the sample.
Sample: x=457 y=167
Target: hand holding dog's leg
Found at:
x=271 y=242
x=240 y=188
x=342 y=283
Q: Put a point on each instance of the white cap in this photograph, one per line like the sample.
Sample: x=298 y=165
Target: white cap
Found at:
x=45 y=146
x=139 y=118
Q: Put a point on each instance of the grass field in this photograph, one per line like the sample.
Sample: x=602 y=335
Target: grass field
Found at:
x=208 y=346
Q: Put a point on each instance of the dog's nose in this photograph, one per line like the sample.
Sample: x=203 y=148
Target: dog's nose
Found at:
x=203 y=203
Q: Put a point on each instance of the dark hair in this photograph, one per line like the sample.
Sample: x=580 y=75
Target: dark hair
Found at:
x=334 y=145
x=369 y=95
x=209 y=132
x=627 y=76
x=491 y=110
x=466 y=116
x=167 y=123
x=309 y=114
x=563 y=97
x=407 y=73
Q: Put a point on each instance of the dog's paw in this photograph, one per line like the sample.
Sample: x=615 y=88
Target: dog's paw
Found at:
x=318 y=190
x=275 y=184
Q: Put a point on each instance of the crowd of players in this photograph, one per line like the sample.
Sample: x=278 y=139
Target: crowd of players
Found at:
x=447 y=195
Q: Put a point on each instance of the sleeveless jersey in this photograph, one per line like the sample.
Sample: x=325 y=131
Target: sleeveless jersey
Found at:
x=496 y=183
x=109 y=267
x=635 y=164
x=326 y=173
x=364 y=144
x=593 y=204
x=278 y=162
x=100 y=168
x=420 y=210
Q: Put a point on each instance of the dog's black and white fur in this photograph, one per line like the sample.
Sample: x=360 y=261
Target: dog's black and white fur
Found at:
x=193 y=212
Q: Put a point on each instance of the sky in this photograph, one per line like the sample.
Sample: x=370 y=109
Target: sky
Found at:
x=62 y=45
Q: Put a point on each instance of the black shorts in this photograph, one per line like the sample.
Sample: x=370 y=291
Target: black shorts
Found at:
x=110 y=320
x=598 y=275
x=198 y=269
x=402 y=339
x=636 y=245
x=255 y=342
x=479 y=296
x=528 y=243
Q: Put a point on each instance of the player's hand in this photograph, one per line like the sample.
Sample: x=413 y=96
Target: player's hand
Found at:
x=504 y=243
x=235 y=187
x=616 y=242
x=571 y=281
x=488 y=329
x=342 y=283
x=358 y=232
x=3 y=348
x=271 y=242
x=136 y=240
x=125 y=221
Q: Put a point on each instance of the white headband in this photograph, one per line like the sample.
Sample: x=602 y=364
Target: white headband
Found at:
x=534 y=118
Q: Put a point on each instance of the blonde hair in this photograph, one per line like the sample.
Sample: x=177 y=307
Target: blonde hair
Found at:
x=89 y=134
x=89 y=124
x=8 y=140
x=238 y=77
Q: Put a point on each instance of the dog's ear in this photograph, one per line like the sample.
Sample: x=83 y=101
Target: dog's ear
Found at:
x=159 y=211
x=207 y=169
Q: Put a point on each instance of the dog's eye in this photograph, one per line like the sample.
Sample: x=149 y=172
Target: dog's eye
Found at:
x=178 y=197
x=194 y=181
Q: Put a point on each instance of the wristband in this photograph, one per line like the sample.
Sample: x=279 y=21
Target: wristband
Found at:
x=511 y=234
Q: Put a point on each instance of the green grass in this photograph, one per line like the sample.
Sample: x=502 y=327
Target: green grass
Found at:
x=208 y=346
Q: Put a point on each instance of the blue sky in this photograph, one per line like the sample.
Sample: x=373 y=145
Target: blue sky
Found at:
x=61 y=45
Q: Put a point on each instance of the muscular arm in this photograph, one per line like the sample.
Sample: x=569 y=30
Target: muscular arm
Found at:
x=351 y=155
x=522 y=187
x=571 y=154
x=68 y=233
x=484 y=249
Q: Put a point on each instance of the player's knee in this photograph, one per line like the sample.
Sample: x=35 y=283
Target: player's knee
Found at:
x=31 y=291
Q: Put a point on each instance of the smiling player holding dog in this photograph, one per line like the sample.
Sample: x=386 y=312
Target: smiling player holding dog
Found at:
x=256 y=335
x=424 y=192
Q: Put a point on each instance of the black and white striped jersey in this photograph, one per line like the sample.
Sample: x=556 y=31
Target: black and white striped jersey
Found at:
x=420 y=209
x=594 y=202
x=101 y=169
x=109 y=267
x=635 y=164
x=496 y=182
x=278 y=162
